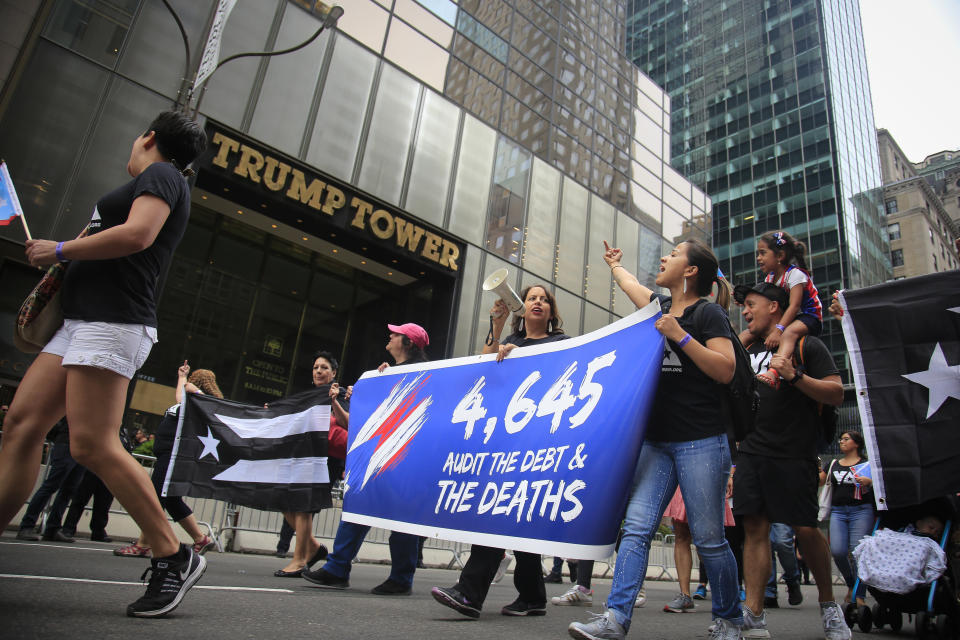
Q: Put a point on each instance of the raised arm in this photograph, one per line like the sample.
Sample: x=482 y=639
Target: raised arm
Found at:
x=182 y=384
x=638 y=294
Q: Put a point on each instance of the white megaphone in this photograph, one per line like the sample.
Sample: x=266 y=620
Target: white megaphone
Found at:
x=497 y=282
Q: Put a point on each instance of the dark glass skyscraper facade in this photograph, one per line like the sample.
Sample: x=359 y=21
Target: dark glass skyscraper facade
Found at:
x=772 y=118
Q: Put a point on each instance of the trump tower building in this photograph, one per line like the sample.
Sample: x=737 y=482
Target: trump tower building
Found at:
x=375 y=175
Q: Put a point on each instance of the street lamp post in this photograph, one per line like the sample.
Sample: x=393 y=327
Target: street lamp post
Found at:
x=199 y=89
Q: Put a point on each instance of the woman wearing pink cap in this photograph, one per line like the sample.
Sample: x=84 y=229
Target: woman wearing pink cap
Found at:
x=406 y=345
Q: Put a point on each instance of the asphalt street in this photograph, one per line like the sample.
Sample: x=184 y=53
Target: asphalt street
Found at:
x=78 y=591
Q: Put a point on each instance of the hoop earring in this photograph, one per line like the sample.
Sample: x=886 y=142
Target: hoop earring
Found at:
x=684 y=286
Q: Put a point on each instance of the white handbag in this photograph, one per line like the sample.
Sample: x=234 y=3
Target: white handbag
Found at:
x=826 y=495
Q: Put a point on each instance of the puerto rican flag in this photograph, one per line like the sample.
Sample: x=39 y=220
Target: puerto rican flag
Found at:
x=273 y=459
x=9 y=203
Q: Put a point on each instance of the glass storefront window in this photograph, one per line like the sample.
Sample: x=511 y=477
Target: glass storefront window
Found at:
x=289 y=84
x=41 y=165
x=598 y=279
x=95 y=29
x=433 y=158
x=628 y=239
x=573 y=221
x=508 y=201
x=443 y=8
x=467 y=312
x=365 y=21
x=339 y=121
x=595 y=317
x=482 y=36
x=417 y=54
x=227 y=92
x=571 y=308
x=539 y=247
x=471 y=191
x=153 y=54
x=388 y=140
x=490 y=264
x=126 y=114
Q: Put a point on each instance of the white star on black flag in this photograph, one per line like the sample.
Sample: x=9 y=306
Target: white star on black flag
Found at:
x=904 y=344
x=940 y=379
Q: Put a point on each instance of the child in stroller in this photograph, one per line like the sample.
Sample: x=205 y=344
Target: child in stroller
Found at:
x=909 y=567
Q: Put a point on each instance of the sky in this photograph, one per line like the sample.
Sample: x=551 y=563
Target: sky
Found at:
x=912 y=53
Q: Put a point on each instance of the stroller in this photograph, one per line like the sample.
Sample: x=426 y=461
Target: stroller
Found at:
x=934 y=606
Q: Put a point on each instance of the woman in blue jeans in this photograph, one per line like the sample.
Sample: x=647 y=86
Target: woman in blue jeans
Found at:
x=851 y=510
x=686 y=441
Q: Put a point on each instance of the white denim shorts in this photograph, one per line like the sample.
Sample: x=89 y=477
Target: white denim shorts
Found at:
x=121 y=348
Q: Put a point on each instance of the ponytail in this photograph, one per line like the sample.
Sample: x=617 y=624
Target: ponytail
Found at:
x=723 y=290
x=708 y=271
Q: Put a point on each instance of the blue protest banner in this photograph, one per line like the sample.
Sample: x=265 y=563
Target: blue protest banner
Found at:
x=535 y=453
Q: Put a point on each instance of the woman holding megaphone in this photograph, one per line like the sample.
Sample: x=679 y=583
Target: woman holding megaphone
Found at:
x=538 y=323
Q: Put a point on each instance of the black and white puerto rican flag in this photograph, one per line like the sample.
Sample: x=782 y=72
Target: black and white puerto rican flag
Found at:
x=273 y=458
x=904 y=344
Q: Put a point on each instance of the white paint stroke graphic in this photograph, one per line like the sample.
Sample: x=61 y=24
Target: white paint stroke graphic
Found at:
x=396 y=441
x=313 y=419
x=396 y=397
x=281 y=471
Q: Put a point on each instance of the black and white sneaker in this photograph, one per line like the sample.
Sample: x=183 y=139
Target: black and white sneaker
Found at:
x=171 y=577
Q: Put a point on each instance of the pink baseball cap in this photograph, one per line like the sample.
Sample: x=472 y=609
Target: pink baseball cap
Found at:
x=416 y=333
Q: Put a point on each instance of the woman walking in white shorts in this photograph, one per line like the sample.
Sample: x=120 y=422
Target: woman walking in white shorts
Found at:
x=109 y=298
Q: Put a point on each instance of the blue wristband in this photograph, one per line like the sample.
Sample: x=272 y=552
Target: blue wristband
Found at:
x=687 y=338
x=781 y=327
x=59 y=253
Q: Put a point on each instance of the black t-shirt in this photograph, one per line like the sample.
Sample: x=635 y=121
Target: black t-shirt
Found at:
x=124 y=290
x=688 y=402
x=845 y=487
x=523 y=341
x=787 y=423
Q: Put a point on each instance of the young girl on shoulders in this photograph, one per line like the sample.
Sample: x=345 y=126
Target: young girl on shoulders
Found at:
x=781 y=257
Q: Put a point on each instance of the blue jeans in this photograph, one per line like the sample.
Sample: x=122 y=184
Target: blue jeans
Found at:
x=848 y=524
x=781 y=546
x=701 y=468
x=404 y=548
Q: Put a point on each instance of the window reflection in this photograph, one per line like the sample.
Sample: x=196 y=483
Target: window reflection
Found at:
x=482 y=36
x=473 y=91
x=539 y=247
x=471 y=192
x=508 y=200
x=432 y=159
x=388 y=140
x=598 y=285
x=289 y=85
x=95 y=29
x=336 y=131
x=573 y=220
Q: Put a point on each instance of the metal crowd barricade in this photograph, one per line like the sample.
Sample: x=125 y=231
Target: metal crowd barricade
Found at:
x=204 y=510
x=235 y=518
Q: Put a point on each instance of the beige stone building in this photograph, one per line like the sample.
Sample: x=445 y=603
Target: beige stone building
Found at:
x=922 y=203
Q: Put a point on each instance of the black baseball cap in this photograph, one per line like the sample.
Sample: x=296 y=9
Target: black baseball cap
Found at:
x=766 y=289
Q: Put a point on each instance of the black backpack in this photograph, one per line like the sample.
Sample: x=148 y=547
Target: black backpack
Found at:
x=826 y=412
x=742 y=399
